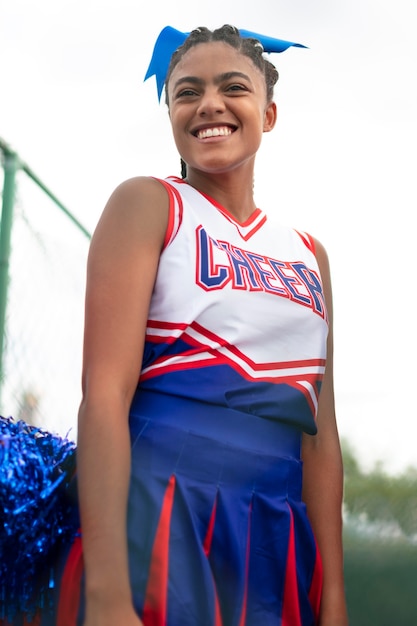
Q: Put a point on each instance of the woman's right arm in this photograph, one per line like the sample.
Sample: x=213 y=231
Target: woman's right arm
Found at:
x=122 y=266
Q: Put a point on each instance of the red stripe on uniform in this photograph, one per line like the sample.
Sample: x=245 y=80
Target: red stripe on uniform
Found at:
x=308 y=241
x=217 y=614
x=291 y=606
x=174 y=218
x=155 y=606
x=210 y=530
x=316 y=585
x=69 y=597
x=207 y=548
x=242 y=620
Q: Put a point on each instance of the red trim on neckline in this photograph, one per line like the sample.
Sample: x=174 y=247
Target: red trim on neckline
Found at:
x=227 y=214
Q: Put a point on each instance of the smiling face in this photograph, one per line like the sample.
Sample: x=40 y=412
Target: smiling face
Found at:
x=218 y=108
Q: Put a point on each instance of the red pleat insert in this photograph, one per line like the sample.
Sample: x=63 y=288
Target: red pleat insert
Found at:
x=291 y=607
x=210 y=529
x=245 y=595
x=155 y=606
x=316 y=585
x=207 y=548
x=69 y=598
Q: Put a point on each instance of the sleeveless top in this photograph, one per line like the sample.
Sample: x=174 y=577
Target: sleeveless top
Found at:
x=237 y=316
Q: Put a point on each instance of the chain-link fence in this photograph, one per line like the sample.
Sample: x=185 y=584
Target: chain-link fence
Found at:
x=41 y=366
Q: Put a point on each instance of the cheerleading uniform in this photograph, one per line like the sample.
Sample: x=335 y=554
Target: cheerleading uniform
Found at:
x=233 y=362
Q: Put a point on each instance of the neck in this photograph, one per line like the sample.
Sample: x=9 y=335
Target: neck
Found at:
x=234 y=193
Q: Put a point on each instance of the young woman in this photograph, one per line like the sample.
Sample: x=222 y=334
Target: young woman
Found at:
x=209 y=466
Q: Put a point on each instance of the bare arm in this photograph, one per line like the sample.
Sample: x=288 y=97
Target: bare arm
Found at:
x=323 y=481
x=122 y=266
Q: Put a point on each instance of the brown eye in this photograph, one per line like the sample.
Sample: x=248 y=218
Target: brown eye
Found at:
x=236 y=87
x=186 y=93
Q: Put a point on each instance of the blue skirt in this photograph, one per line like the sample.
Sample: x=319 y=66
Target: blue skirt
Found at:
x=218 y=534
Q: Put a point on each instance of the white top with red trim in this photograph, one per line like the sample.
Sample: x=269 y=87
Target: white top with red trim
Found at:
x=238 y=316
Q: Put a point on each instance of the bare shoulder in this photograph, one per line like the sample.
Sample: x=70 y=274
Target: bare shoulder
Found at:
x=137 y=206
x=139 y=189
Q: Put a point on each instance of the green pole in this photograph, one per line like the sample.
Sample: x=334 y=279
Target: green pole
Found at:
x=59 y=204
x=10 y=166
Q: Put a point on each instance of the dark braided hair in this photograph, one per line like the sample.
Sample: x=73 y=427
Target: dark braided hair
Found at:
x=248 y=46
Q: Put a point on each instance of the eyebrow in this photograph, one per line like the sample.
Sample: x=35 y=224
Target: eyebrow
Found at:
x=220 y=78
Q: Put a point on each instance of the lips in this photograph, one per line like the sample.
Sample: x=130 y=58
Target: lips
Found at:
x=216 y=131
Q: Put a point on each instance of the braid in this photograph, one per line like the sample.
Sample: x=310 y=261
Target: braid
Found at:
x=183 y=169
x=250 y=47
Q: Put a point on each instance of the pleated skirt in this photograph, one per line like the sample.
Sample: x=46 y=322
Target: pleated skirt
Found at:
x=218 y=534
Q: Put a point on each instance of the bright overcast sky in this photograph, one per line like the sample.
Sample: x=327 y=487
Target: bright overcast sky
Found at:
x=340 y=164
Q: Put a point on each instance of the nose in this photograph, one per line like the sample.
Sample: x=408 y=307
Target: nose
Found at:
x=211 y=102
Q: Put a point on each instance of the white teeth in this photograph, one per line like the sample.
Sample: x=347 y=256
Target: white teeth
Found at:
x=214 y=132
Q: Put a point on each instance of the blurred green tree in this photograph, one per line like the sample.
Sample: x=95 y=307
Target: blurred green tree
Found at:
x=377 y=496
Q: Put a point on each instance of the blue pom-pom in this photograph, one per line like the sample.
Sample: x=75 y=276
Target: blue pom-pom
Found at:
x=38 y=513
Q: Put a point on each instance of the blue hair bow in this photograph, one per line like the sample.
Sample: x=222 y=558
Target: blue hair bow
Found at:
x=170 y=39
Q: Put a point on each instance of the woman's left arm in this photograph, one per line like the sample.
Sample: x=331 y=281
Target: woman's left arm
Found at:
x=323 y=480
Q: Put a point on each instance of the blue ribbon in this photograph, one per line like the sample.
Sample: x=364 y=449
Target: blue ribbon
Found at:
x=170 y=39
